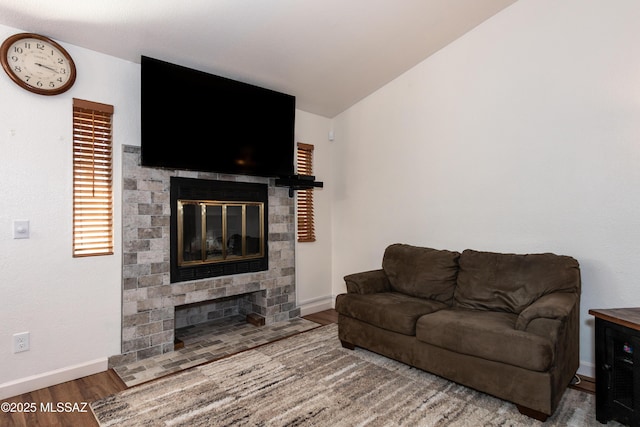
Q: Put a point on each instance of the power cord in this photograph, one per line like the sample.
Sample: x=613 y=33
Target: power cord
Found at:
x=575 y=380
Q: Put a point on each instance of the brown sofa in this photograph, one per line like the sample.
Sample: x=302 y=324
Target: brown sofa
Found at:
x=504 y=324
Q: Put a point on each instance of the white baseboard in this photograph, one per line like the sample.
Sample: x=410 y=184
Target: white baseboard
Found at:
x=315 y=305
x=48 y=379
x=587 y=369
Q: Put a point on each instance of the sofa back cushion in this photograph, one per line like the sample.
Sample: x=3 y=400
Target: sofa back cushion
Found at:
x=421 y=272
x=510 y=282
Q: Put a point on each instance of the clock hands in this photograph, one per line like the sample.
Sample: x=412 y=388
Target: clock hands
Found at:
x=47 y=67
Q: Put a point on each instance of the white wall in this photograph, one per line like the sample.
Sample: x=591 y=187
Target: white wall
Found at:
x=313 y=259
x=522 y=136
x=70 y=306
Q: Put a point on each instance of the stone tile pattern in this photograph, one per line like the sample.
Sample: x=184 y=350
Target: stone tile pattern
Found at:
x=210 y=341
x=193 y=314
x=148 y=297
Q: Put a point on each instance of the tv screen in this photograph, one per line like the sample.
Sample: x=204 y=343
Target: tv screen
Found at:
x=198 y=121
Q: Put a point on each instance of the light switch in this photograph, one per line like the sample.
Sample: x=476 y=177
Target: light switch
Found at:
x=21 y=229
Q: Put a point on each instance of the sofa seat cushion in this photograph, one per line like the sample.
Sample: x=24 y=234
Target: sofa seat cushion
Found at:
x=421 y=272
x=488 y=335
x=392 y=311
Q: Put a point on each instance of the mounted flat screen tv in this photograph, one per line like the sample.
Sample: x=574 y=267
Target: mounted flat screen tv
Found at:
x=198 y=121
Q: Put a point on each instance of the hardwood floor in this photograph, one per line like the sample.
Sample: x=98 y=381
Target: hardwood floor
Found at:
x=323 y=317
x=586 y=384
x=67 y=404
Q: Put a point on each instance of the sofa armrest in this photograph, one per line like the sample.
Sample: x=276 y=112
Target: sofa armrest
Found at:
x=555 y=306
x=367 y=282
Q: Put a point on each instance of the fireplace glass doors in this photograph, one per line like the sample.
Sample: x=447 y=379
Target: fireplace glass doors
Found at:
x=218 y=231
x=218 y=228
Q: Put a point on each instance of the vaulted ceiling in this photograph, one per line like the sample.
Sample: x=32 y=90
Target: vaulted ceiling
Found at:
x=328 y=53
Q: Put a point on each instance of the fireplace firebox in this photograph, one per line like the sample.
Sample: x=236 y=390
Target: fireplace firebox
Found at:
x=217 y=228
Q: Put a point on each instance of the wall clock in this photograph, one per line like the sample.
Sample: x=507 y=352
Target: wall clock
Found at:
x=37 y=64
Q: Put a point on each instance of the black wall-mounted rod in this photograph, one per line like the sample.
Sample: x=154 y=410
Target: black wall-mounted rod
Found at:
x=298 y=182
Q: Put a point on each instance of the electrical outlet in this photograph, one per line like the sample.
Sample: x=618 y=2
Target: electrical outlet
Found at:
x=21 y=342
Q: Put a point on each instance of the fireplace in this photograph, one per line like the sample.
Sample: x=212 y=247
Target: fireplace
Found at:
x=149 y=296
x=217 y=228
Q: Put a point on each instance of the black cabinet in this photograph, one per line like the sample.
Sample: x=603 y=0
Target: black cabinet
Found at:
x=617 y=363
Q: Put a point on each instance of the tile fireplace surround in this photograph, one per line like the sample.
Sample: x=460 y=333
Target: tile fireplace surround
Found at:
x=148 y=297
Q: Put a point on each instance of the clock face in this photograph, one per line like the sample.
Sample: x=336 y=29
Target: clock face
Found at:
x=37 y=64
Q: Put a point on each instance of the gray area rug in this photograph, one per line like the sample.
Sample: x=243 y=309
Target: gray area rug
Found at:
x=310 y=380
